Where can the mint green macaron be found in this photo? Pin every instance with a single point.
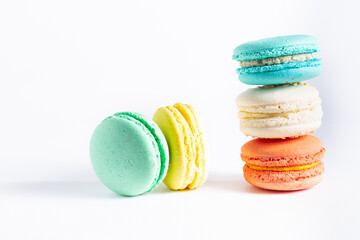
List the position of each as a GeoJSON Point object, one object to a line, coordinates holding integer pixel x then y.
{"type": "Point", "coordinates": [129, 153]}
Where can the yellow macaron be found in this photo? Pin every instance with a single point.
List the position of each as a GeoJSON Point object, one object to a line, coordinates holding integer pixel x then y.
{"type": "Point", "coordinates": [181, 128]}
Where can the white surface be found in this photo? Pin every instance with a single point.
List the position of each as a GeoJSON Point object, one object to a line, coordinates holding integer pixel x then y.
{"type": "Point", "coordinates": [66, 65]}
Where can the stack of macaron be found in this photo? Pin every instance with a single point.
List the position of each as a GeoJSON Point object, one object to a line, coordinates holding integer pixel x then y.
{"type": "Point", "coordinates": [280, 113]}
{"type": "Point", "coordinates": [132, 154]}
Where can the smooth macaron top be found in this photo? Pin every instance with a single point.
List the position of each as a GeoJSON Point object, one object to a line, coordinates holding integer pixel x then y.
{"type": "Point", "coordinates": [268, 95]}
{"type": "Point", "coordinates": [129, 153]}
{"type": "Point", "coordinates": [275, 47]}
{"type": "Point", "coordinates": [160, 140]}
{"type": "Point", "coordinates": [280, 148]}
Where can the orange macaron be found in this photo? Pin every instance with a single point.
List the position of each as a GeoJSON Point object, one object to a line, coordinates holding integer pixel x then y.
{"type": "Point", "coordinates": [283, 164]}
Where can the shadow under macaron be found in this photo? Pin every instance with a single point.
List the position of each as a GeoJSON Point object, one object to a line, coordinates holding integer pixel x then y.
{"type": "Point", "coordinates": [237, 183]}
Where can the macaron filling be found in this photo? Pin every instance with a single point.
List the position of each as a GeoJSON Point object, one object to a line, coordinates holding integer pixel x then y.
{"type": "Point", "coordinates": [259, 120]}
{"type": "Point", "coordinates": [314, 62]}
{"type": "Point", "coordinates": [277, 60]}
{"type": "Point", "coordinates": [284, 169]}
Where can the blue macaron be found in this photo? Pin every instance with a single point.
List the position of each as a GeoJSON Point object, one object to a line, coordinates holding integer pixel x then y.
{"type": "Point", "coordinates": [129, 153]}
{"type": "Point", "coordinates": [278, 60]}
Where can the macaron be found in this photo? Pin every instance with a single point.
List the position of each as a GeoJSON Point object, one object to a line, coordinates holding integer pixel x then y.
{"type": "Point", "coordinates": [283, 164]}
{"type": "Point", "coordinates": [129, 153]}
{"type": "Point", "coordinates": [278, 60]}
{"type": "Point", "coordinates": [279, 111]}
{"type": "Point", "coordinates": [184, 135]}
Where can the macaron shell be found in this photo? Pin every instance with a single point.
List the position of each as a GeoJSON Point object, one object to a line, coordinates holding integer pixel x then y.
{"type": "Point", "coordinates": [284, 181]}
{"type": "Point", "coordinates": [275, 95]}
{"type": "Point", "coordinates": [281, 75]}
{"type": "Point", "coordinates": [285, 161]}
{"type": "Point", "coordinates": [191, 117]}
{"type": "Point", "coordinates": [282, 132]}
{"type": "Point", "coordinates": [275, 47]}
{"type": "Point", "coordinates": [262, 148]}
{"type": "Point", "coordinates": [180, 140]}
{"type": "Point", "coordinates": [125, 155]}
{"type": "Point", "coordinates": [160, 140]}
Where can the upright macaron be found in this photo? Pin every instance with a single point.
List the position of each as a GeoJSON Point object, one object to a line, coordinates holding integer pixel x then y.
{"type": "Point", "coordinates": [184, 135]}
{"type": "Point", "coordinates": [279, 111]}
{"type": "Point", "coordinates": [283, 164]}
{"type": "Point", "coordinates": [129, 153]}
{"type": "Point", "coordinates": [278, 60]}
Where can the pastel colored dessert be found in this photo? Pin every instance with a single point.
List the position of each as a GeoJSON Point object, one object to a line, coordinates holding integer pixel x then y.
{"type": "Point", "coordinates": [283, 164]}
{"type": "Point", "coordinates": [181, 128]}
{"type": "Point", "coordinates": [279, 111]}
{"type": "Point", "coordinates": [278, 60]}
{"type": "Point", "coordinates": [129, 153]}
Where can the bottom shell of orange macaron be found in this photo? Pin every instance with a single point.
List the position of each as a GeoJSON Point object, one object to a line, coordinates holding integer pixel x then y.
{"type": "Point", "coordinates": [283, 164]}
{"type": "Point", "coordinates": [286, 180]}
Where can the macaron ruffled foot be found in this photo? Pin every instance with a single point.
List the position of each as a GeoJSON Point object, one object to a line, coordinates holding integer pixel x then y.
{"type": "Point", "coordinates": [182, 130]}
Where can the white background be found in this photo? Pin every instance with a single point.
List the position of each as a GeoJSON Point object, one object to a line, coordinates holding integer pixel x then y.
{"type": "Point", "coordinates": [66, 65]}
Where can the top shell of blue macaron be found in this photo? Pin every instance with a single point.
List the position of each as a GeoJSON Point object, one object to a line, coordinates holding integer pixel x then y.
{"type": "Point", "coordinates": [129, 153]}
{"type": "Point", "coordinates": [275, 47]}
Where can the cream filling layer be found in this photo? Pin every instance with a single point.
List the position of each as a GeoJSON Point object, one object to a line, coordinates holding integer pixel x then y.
{"type": "Point", "coordinates": [278, 108]}
{"type": "Point", "coordinates": [283, 169]}
{"type": "Point", "coordinates": [268, 120]}
{"type": "Point", "coordinates": [277, 60]}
